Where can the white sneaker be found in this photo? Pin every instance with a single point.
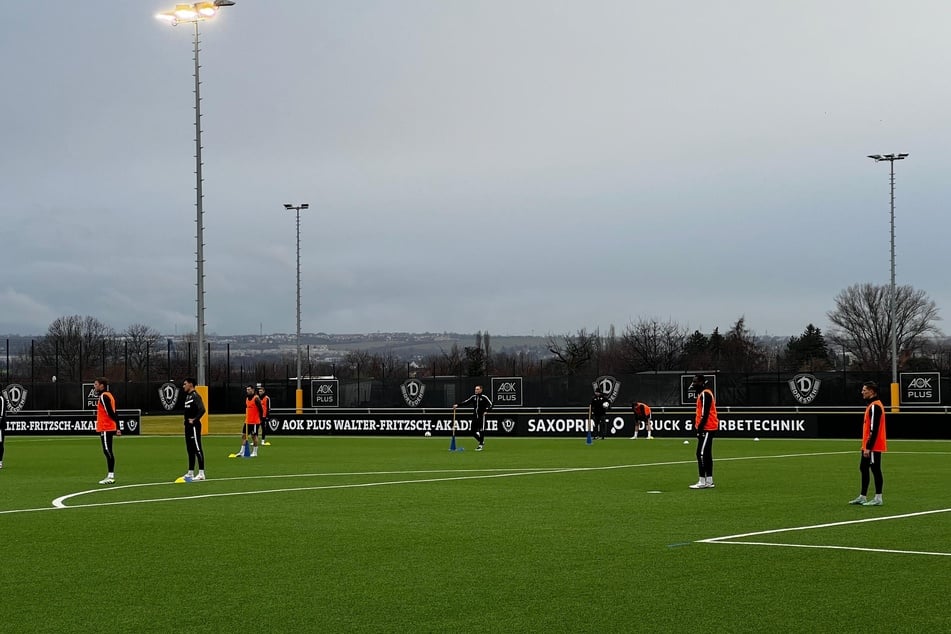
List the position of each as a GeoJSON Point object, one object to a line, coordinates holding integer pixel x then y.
{"type": "Point", "coordinates": [859, 500]}
{"type": "Point", "coordinates": [479, 448]}
{"type": "Point", "coordinates": [107, 480]}
{"type": "Point", "coordinates": [254, 454]}
{"type": "Point", "coordinates": [196, 478]}
{"type": "Point", "coordinates": [700, 485]}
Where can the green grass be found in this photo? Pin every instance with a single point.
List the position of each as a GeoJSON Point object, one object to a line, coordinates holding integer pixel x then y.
{"type": "Point", "coordinates": [172, 424]}
{"type": "Point", "coordinates": [401, 535]}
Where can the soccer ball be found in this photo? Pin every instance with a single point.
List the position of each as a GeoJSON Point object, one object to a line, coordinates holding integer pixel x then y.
{"type": "Point", "coordinates": [427, 434]}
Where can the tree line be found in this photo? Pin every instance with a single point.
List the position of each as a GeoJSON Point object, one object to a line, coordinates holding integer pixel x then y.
{"type": "Point", "coordinates": [79, 347]}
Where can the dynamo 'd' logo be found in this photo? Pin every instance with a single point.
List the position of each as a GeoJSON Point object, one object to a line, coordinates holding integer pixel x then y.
{"type": "Point", "coordinates": [804, 388]}
{"type": "Point", "coordinates": [168, 395]}
{"type": "Point", "coordinates": [15, 396]}
{"type": "Point", "coordinates": [412, 391]}
{"type": "Point", "coordinates": [608, 385]}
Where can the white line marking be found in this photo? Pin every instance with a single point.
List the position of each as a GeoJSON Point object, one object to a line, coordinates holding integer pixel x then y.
{"type": "Point", "coordinates": [713, 540]}
{"type": "Point", "coordinates": [869, 550]}
{"type": "Point", "coordinates": [43, 508]}
{"type": "Point", "coordinates": [294, 489]}
{"type": "Point", "coordinates": [738, 539]}
{"type": "Point", "coordinates": [59, 503]}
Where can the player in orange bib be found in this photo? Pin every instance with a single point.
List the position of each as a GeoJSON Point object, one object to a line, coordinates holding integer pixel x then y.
{"type": "Point", "coordinates": [706, 424]}
{"type": "Point", "coordinates": [253, 415]}
{"type": "Point", "coordinates": [873, 445]}
{"type": "Point", "coordinates": [107, 425]}
{"type": "Point", "coordinates": [266, 407]}
{"type": "Point", "coordinates": [642, 414]}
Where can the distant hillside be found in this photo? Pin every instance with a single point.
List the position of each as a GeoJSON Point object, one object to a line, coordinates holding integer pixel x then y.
{"type": "Point", "coordinates": [407, 346]}
{"type": "Point", "coordinates": [330, 347]}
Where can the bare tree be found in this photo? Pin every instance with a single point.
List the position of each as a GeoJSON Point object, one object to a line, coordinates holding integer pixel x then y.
{"type": "Point", "coordinates": [76, 345]}
{"type": "Point", "coordinates": [573, 352]}
{"type": "Point", "coordinates": [741, 352]}
{"type": "Point", "coordinates": [651, 344]}
{"type": "Point", "coordinates": [356, 363]}
{"type": "Point", "coordinates": [388, 366]}
{"type": "Point", "coordinates": [445, 363]}
{"type": "Point", "coordinates": [141, 342]}
{"type": "Point", "coordinates": [938, 351]}
{"type": "Point", "coordinates": [862, 322]}
{"type": "Point", "coordinates": [517, 363]}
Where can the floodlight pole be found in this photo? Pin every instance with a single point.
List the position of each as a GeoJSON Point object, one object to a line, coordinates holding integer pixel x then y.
{"type": "Point", "coordinates": [893, 295]}
{"type": "Point", "coordinates": [199, 222]}
{"type": "Point", "coordinates": [196, 13]}
{"type": "Point", "coordinates": [299, 395]}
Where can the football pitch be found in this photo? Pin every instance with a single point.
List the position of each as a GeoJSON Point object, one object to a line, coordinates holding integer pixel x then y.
{"type": "Point", "coordinates": [336, 534]}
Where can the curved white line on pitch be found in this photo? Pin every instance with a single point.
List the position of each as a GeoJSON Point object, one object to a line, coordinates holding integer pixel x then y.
{"type": "Point", "coordinates": [311, 488]}
{"type": "Point", "coordinates": [60, 502]}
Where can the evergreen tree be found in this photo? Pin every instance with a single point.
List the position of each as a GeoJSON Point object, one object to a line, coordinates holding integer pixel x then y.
{"type": "Point", "coordinates": [808, 352]}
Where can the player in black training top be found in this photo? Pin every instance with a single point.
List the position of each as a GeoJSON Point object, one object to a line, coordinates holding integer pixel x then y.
{"type": "Point", "coordinates": [599, 410]}
{"type": "Point", "coordinates": [480, 405]}
{"type": "Point", "coordinates": [194, 410]}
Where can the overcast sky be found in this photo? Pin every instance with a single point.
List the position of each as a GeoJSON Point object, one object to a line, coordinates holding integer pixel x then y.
{"type": "Point", "coordinates": [511, 166]}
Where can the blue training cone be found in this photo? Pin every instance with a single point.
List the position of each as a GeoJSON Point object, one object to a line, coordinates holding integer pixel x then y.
{"type": "Point", "coordinates": [589, 440]}
{"type": "Point", "coordinates": [246, 451]}
{"type": "Point", "coordinates": [452, 445]}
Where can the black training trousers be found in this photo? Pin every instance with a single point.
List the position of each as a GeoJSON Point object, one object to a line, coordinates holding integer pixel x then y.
{"type": "Point", "coordinates": [478, 425]}
{"type": "Point", "coordinates": [705, 454]}
{"type": "Point", "coordinates": [105, 437]}
{"type": "Point", "coordinates": [872, 462]}
{"type": "Point", "coordinates": [193, 445]}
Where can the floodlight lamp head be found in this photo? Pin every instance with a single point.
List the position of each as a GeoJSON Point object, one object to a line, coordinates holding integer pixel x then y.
{"type": "Point", "coordinates": [288, 206]}
{"type": "Point", "coordinates": [206, 9]}
{"type": "Point", "coordinates": [184, 11]}
{"type": "Point", "coordinates": [224, 3]}
{"type": "Point", "coordinates": [305, 206]}
{"type": "Point", "coordinates": [887, 157]}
